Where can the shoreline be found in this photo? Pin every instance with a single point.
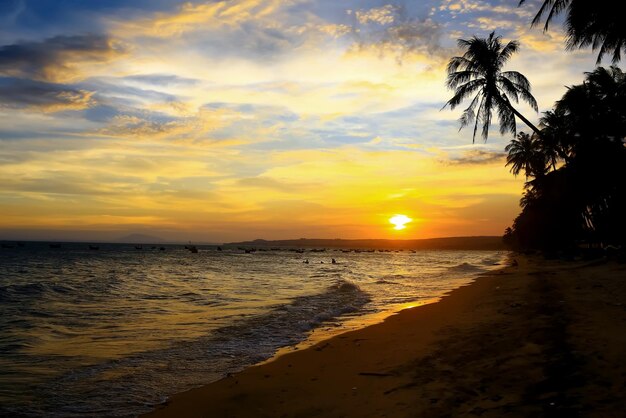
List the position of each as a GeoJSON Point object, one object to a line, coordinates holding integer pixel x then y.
{"type": "Point", "coordinates": [324, 332]}
{"type": "Point", "coordinates": [517, 341]}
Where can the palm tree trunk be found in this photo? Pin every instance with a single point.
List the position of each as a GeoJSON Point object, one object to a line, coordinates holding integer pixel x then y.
{"type": "Point", "coordinates": [522, 118]}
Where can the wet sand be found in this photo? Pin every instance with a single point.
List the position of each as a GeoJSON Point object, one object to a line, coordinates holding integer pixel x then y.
{"type": "Point", "coordinates": [545, 338]}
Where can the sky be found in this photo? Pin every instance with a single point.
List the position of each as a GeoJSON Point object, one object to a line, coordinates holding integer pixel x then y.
{"type": "Point", "coordinates": [226, 120]}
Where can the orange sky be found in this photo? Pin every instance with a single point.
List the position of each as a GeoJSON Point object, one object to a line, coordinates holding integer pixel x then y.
{"type": "Point", "coordinates": [241, 119]}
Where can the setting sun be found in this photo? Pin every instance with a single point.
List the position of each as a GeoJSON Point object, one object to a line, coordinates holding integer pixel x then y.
{"type": "Point", "coordinates": [399, 221]}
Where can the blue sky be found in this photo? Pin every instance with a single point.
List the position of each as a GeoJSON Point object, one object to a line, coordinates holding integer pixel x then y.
{"type": "Point", "coordinates": [239, 119]}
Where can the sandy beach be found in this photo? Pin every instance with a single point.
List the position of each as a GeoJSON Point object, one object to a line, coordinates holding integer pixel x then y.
{"type": "Point", "coordinates": [544, 338]}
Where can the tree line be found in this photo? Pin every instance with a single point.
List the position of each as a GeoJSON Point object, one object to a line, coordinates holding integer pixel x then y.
{"type": "Point", "coordinates": [574, 160]}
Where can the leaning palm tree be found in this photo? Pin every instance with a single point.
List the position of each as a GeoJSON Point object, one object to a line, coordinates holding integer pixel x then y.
{"type": "Point", "coordinates": [526, 153]}
{"type": "Point", "coordinates": [587, 23]}
{"type": "Point", "coordinates": [478, 73]}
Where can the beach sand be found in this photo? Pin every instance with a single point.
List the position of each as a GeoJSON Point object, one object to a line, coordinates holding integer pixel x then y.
{"type": "Point", "coordinates": [545, 338]}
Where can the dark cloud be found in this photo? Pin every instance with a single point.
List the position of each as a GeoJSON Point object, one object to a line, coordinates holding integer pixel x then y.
{"type": "Point", "coordinates": [20, 93]}
{"type": "Point", "coordinates": [36, 19]}
{"type": "Point", "coordinates": [477, 156]}
{"type": "Point", "coordinates": [54, 58]}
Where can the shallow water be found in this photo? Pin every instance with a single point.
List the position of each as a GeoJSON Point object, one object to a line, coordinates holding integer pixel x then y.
{"type": "Point", "coordinates": [112, 332]}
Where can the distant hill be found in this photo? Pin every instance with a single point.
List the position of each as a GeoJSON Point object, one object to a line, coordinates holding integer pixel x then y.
{"type": "Point", "coordinates": [139, 239]}
{"type": "Point", "coordinates": [451, 243]}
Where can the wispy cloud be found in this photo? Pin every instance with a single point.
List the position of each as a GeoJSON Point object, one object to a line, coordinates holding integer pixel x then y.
{"type": "Point", "coordinates": [477, 157]}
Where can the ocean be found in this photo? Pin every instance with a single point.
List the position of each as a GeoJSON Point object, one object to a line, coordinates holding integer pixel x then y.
{"type": "Point", "coordinates": [112, 332]}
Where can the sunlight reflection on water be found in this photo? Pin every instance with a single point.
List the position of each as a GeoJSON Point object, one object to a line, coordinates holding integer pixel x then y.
{"type": "Point", "coordinates": [135, 325]}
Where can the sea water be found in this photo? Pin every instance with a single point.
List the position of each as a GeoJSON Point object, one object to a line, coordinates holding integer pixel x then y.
{"type": "Point", "coordinates": [114, 331]}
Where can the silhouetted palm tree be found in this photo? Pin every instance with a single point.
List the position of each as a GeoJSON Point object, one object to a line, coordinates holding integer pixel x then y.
{"type": "Point", "coordinates": [526, 153]}
{"type": "Point", "coordinates": [555, 130]}
{"type": "Point", "coordinates": [583, 199]}
{"type": "Point", "coordinates": [594, 109]}
{"type": "Point", "coordinates": [607, 88]}
{"type": "Point", "coordinates": [588, 23]}
{"type": "Point", "coordinates": [478, 73]}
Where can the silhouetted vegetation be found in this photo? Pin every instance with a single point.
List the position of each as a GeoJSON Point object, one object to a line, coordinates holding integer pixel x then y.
{"type": "Point", "coordinates": [576, 170]}
{"type": "Point", "coordinates": [595, 24]}
{"type": "Point", "coordinates": [575, 161]}
{"type": "Point", "coordinates": [478, 74]}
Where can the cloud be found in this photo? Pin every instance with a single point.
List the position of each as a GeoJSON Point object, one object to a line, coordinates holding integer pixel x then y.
{"type": "Point", "coordinates": [121, 90]}
{"type": "Point", "coordinates": [274, 184]}
{"type": "Point", "coordinates": [224, 29]}
{"type": "Point", "coordinates": [47, 97]}
{"type": "Point", "coordinates": [397, 33]}
{"type": "Point", "coordinates": [162, 79]}
{"type": "Point", "coordinates": [477, 157]}
{"type": "Point", "coordinates": [57, 59]}
{"type": "Point", "coordinates": [156, 126]}
{"type": "Point", "coordinates": [222, 14]}
{"type": "Point", "coordinates": [224, 123]}
{"type": "Point", "coordinates": [457, 7]}
{"type": "Point", "coordinates": [381, 15]}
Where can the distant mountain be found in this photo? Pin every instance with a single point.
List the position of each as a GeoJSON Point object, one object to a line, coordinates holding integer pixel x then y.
{"type": "Point", "coordinates": [139, 239]}
{"type": "Point", "coordinates": [450, 243]}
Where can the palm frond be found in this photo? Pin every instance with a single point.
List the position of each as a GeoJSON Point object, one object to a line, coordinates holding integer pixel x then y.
{"type": "Point", "coordinates": [463, 92]}
{"type": "Point", "coordinates": [506, 52]}
{"type": "Point", "coordinates": [482, 101]}
{"type": "Point", "coordinates": [460, 77]}
{"type": "Point", "coordinates": [456, 63]}
{"type": "Point", "coordinates": [506, 118]}
{"type": "Point", "coordinates": [517, 78]}
{"type": "Point", "coordinates": [509, 88]}
{"type": "Point", "coordinates": [469, 114]}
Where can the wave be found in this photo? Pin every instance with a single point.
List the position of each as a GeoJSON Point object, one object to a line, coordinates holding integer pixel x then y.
{"type": "Point", "coordinates": [491, 261]}
{"type": "Point", "coordinates": [466, 268]}
{"type": "Point", "coordinates": [136, 383]}
{"type": "Point", "coordinates": [31, 291]}
{"type": "Point", "coordinates": [391, 279]}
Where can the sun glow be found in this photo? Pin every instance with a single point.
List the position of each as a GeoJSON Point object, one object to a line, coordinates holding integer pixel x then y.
{"type": "Point", "coordinates": [399, 221]}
